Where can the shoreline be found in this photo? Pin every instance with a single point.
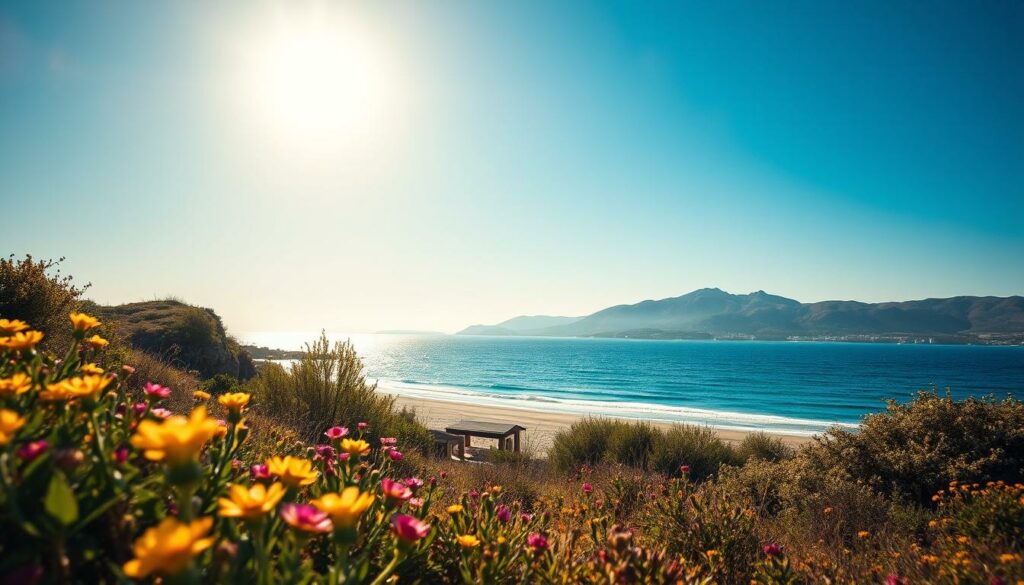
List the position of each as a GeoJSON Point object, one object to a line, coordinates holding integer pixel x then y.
{"type": "Point", "coordinates": [541, 425]}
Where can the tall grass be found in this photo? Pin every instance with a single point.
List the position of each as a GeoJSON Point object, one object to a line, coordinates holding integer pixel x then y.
{"type": "Point", "coordinates": [326, 388]}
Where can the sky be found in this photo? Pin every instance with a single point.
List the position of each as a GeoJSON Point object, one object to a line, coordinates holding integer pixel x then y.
{"type": "Point", "coordinates": [430, 165]}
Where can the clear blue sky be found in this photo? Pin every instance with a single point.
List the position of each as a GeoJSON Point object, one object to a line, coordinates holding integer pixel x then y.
{"type": "Point", "coordinates": [434, 164]}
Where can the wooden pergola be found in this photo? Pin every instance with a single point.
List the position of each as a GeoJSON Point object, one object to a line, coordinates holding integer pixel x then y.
{"type": "Point", "coordinates": [506, 434]}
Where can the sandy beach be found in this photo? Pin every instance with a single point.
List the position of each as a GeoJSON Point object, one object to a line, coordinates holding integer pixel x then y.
{"type": "Point", "coordinates": [541, 426]}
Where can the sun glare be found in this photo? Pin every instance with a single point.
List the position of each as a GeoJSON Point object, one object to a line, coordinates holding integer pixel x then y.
{"type": "Point", "coordinates": [318, 84]}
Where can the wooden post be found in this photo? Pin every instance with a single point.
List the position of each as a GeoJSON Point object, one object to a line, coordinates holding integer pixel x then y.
{"type": "Point", "coordinates": [501, 444]}
{"type": "Point", "coordinates": [516, 448]}
{"type": "Point", "coordinates": [467, 441]}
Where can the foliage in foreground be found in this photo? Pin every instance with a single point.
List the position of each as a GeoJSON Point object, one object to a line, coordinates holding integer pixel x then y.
{"type": "Point", "coordinates": [100, 482]}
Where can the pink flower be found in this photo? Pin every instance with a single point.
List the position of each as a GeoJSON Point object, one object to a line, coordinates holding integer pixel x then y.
{"type": "Point", "coordinates": [526, 516]}
{"type": "Point", "coordinates": [127, 369]}
{"type": "Point", "coordinates": [336, 433]}
{"type": "Point", "coordinates": [156, 391]}
{"type": "Point", "coordinates": [474, 494]}
{"type": "Point", "coordinates": [362, 426]}
{"type": "Point", "coordinates": [772, 550]}
{"type": "Point", "coordinates": [343, 457]}
{"type": "Point", "coordinates": [504, 513]}
{"type": "Point", "coordinates": [121, 454]}
{"type": "Point", "coordinates": [587, 488]}
{"type": "Point", "coordinates": [895, 580]}
{"type": "Point", "coordinates": [416, 503]}
{"type": "Point", "coordinates": [139, 407]}
{"type": "Point", "coordinates": [324, 452]}
{"type": "Point", "coordinates": [684, 469]}
{"type": "Point", "coordinates": [409, 529]}
{"type": "Point", "coordinates": [30, 451]}
{"type": "Point", "coordinates": [395, 455]}
{"type": "Point", "coordinates": [306, 518]}
{"type": "Point", "coordinates": [259, 472]}
{"type": "Point", "coordinates": [537, 542]}
{"type": "Point", "coordinates": [414, 483]}
{"type": "Point", "coordinates": [395, 492]}
{"type": "Point", "coordinates": [161, 412]}
{"type": "Point", "coordinates": [388, 441]}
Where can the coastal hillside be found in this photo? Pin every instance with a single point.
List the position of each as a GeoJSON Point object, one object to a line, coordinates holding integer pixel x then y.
{"type": "Point", "coordinates": [712, 312]}
{"type": "Point", "coordinates": [192, 337]}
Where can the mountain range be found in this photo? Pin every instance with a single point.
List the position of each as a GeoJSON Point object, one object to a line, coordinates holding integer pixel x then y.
{"type": "Point", "coordinates": [713, 313]}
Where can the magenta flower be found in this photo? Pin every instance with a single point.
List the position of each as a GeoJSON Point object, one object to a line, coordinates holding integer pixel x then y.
{"type": "Point", "coordinates": [336, 433]}
{"type": "Point", "coordinates": [415, 503]}
{"type": "Point", "coordinates": [388, 441]}
{"type": "Point", "coordinates": [139, 407]}
{"type": "Point", "coordinates": [161, 412]}
{"type": "Point", "coordinates": [526, 516]}
{"type": "Point", "coordinates": [395, 455]}
{"type": "Point", "coordinates": [504, 514]}
{"type": "Point", "coordinates": [30, 451]}
{"type": "Point", "coordinates": [260, 472]}
{"type": "Point", "coordinates": [897, 580]}
{"type": "Point", "coordinates": [414, 483]}
{"type": "Point", "coordinates": [409, 529]}
{"type": "Point", "coordinates": [362, 426]}
{"type": "Point", "coordinates": [156, 391]}
{"type": "Point", "coordinates": [473, 494]}
{"type": "Point", "coordinates": [324, 452]}
{"type": "Point", "coordinates": [306, 518]}
{"type": "Point", "coordinates": [395, 492]}
{"type": "Point", "coordinates": [587, 488]}
{"type": "Point", "coordinates": [121, 454]}
{"type": "Point", "coordinates": [344, 457]}
{"type": "Point", "coordinates": [684, 469]}
{"type": "Point", "coordinates": [537, 542]}
{"type": "Point", "coordinates": [772, 549]}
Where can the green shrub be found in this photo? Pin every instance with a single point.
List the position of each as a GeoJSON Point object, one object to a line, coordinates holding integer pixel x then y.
{"type": "Point", "coordinates": [326, 388]}
{"type": "Point", "coordinates": [35, 291]}
{"type": "Point", "coordinates": [220, 384]}
{"type": "Point", "coordinates": [585, 442]}
{"type": "Point", "coordinates": [632, 443]}
{"type": "Point", "coordinates": [762, 446]}
{"type": "Point", "coordinates": [914, 449]}
{"type": "Point", "coordinates": [698, 447]}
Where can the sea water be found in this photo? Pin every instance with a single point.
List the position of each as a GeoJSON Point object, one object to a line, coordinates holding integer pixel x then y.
{"type": "Point", "coordinates": [789, 387]}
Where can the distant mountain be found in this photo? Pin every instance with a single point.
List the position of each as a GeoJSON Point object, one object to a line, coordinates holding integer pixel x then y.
{"type": "Point", "coordinates": [712, 312]}
{"type": "Point", "coordinates": [521, 325]}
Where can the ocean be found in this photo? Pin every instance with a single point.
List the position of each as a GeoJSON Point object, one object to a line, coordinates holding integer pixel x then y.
{"type": "Point", "coordinates": [788, 387]}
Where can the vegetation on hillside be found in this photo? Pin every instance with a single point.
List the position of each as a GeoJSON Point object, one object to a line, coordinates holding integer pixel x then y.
{"type": "Point", "coordinates": [36, 292]}
{"type": "Point", "coordinates": [101, 482]}
{"type": "Point", "coordinates": [191, 337]}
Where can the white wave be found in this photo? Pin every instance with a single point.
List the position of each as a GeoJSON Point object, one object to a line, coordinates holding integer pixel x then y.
{"type": "Point", "coordinates": [740, 421]}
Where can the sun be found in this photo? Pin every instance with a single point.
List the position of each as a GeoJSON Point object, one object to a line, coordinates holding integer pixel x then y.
{"type": "Point", "coordinates": [317, 83]}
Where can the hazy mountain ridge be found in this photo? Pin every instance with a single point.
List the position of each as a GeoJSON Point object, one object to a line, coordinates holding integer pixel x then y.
{"type": "Point", "coordinates": [712, 312]}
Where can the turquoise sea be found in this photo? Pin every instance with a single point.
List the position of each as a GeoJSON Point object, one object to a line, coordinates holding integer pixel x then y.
{"type": "Point", "coordinates": [792, 387]}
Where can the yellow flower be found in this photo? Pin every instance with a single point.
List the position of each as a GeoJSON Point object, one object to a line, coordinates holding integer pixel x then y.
{"type": "Point", "coordinates": [1008, 558]}
{"type": "Point", "coordinates": [711, 553]}
{"type": "Point", "coordinates": [455, 509]}
{"type": "Point", "coordinates": [292, 471]}
{"type": "Point", "coordinates": [176, 439]}
{"type": "Point", "coordinates": [22, 340]}
{"type": "Point", "coordinates": [10, 422]}
{"type": "Point", "coordinates": [863, 534]}
{"type": "Point", "coordinates": [201, 395]}
{"type": "Point", "coordinates": [91, 369]}
{"type": "Point", "coordinates": [9, 326]}
{"type": "Point", "coordinates": [344, 508]}
{"type": "Point", "coordinates": [97, 342]}
{"type": "Point", "coordinates": [355, 447]}
{"type": "Point", "coordinates": [17, 384]}
{"type": "Point", "coordinates": [168, 547]}
{"type": "Point", "coordinates": [83, 322]}
{"type": "Point", "coordinates": [84, 386]}
{"type": "Point", "coordinates": [963, 539]}
{"type": "Point", "coordinates": [250, 502]}
{"type": "Point", "coordinates": [234, 401]}
{"type": "Point", "coordinates": [827, 510]}
{"type": "Point", "coordinates": [468, 541]}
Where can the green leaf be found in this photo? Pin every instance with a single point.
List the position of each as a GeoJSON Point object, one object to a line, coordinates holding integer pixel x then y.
{"type": "Point", "coordinates": [60, 501]}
